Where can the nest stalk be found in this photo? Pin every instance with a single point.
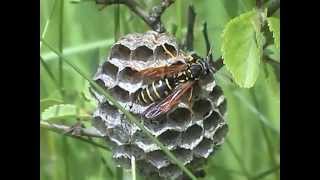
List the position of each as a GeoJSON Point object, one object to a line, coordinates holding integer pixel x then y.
{"type": "Point", "coordinates": [152, 18]}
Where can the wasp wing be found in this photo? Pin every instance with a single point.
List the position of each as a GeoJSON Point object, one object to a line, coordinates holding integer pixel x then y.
{"type": "Point", "coordinates": [160, 72]}
{"type": "Point", "coordinates": [169, 102]}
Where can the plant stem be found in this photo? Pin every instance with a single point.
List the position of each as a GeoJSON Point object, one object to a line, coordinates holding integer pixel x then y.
{"type": "Point", "coordinates": [133, 167]}
{"type": "Point", "coordinates": [60, 47]}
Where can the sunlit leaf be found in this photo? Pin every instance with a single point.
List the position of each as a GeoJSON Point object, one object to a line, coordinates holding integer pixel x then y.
{"type": "Point", "coordinates": [242, 48]}
{"type": "Point", "coordinates": [45, 103]}
{"type": "Point", "coordinates": [63, 112]}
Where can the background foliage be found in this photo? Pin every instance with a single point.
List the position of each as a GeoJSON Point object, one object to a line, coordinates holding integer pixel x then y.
{"type": "Point", "coordinates": [84, 35]}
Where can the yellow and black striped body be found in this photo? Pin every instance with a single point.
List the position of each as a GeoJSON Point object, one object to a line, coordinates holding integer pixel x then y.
{"type": "Point", "coordinates": [156, 90]}
{"type": "Point", "coordinates": [160, 89]}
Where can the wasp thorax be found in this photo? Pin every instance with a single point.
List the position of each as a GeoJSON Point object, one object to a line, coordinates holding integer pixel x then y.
{"type": "Point", "coordinates": [192, 130]}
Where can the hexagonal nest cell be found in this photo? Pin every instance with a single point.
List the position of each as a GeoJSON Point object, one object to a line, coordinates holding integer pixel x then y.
{"type": "Point", "coordinates": [190, 130]}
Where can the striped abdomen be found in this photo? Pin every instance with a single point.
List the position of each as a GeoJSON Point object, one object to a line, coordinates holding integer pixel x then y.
{"type": "Point", "coordinates": [156, 90]}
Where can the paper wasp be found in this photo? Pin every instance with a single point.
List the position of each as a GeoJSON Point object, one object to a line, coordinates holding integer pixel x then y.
{"type": "Point", "coordinates": [171, 83]}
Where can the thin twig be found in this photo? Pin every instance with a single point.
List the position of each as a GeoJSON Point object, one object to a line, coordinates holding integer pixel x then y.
{"type": "Point", "coordinates": [151, 18]}
{"type": "Point", "coordinates": [57, 129]}
{"type": "Point", "coordinates": [63, 129]}
{"type": "Point", "coordinates": [191, 20]}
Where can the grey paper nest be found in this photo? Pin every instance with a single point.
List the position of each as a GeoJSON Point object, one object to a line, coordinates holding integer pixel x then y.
{"type": "Point", "coordinates": [191, 133]}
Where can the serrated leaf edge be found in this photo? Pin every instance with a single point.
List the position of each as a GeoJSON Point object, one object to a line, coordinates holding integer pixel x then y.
{"type": "Point", "coordinates": [224, 39]}
{"type": "Point", "coordinates": [66, 116]}
{"type": "Point", "coordinates": [276, 39]}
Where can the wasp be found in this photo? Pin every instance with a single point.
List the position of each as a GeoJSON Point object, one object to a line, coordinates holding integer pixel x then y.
{"type": "Point", "coordinates": [171, 84]}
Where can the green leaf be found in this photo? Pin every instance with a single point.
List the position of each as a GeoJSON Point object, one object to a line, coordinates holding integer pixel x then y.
{"type": "Point", "coordinates": [272, 52]}
{"type": "Point", "coordinates": [274, 26]}
{"type": "Point", "coordinates": [272, 80]}
{"type": "Point", "coordinates": [242, 48]}
{"type": "Point", "coordinates": [63, 112]}
{"type": "Point", "coordinates": [45, 103]}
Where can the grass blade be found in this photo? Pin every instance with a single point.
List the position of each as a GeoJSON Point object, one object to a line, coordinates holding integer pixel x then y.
{"type": "Point", "coordinates": [70, 51]}
{"type": "Point", "coordinates": [266, 173]}
{"type": "Point", "coordinates": [229, 171]}
{"type": "Point", "coordinates": [66, 152]}
{"type": "Point", "coordinates": [236, 155]}
{"type": "Point", "coordinates": [269, 144]}
{"type": "Point", "coordinates": [116, 22]}
{"type": "Point", "coordinates": [254, 110]}
{"type": "Point", "coordinates": [129, 116]}
{"type": "Point", "coordinates": [60, 47]}
{"type": "Point", "coordinates": [46, 25]}
{"type": "Point", "coordinates": [47, 69]}
{"type": "Point", "coordinates": [179, 18]}
{"type": "Point", "coordinates": [119, 173]}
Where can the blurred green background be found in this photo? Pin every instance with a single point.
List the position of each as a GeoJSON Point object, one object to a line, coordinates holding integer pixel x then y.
{"type": "Point", "coordinates": [84, 34]}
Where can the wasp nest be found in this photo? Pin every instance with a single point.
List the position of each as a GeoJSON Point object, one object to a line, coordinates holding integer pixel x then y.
{"type": "Point", "coordinates": [192, 133]}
